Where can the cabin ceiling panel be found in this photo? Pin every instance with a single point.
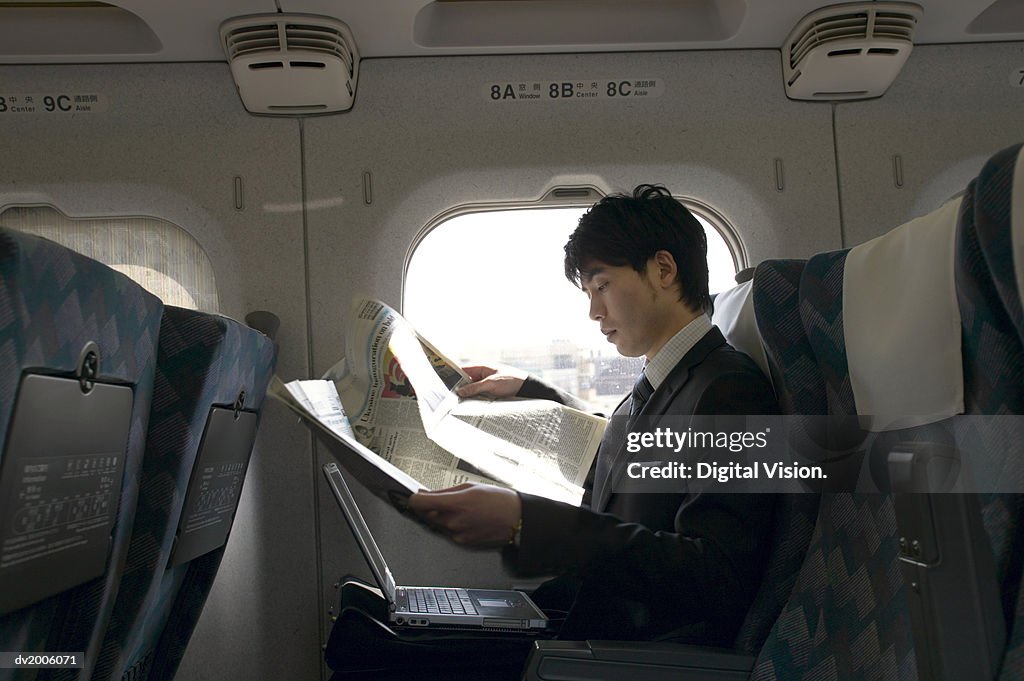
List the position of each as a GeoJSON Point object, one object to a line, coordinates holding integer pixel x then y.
{"type": "Point", "coordinates": [145, 31]}
{"type": "Point", "coordinates": [904, 154]}
{"type": "Point", "coordinates": [970, 20]}
{"type": "Point", "coordinates": [57, 31]}
{"type": "Point", "coordinates": [424, 27]}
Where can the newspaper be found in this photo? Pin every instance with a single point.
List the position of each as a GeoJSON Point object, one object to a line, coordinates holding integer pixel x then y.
{"type": "Point", "coordinates": [317, 402]}
{"type": "Point", "coordinates": [394, 393]}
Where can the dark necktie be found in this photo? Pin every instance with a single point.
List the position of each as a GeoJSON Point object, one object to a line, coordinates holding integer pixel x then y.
{"type": "Point", "coordinates": [642, 391]}
{"type": "Point", "coordinates": [607, 457]}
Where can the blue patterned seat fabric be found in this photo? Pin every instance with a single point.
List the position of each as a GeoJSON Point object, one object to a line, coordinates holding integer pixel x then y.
{"type": "Point", "coordinates": [798, 386]}
{"type": "Point", "coordinates": [821, 312]}
{"type": "Point", "coordinates": [994, 373]}
{"type": "Point", "coordinates": [847, 617]}
{"type": "Point", "coordinates": [992, 219]}
{"type": "Point", "coordinates": [52, 302]}
{"type": "Point", "coordinates": [203, 360]}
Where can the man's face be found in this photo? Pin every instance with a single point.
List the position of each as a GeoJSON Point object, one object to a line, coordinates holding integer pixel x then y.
{"type": "Point", "coordinates": [634, 309]}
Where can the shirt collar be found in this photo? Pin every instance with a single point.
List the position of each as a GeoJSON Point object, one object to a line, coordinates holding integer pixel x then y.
{"type": "Point", "coordinates": [658, 367]}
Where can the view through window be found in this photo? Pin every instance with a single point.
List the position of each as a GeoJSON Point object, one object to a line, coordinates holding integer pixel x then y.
{"type": "Point", "coordinates": [488, 287]}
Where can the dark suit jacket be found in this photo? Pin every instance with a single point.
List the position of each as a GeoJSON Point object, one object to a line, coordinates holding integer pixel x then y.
{"type": "Point", "coordinates": [682, 565]}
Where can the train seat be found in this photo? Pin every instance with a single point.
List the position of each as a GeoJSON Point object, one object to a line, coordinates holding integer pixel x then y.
{"type": "Point", "coordinates": [846, 617]}
{"type": "Point", "coordinates": [993, 347]}
{"type": "Point", "coordinates": [78, 343]}
{"type": "Point", "coordinates": [799, 389]}
{"type": "Point", "coordinates": [211, 377]}
{"type": "Point", "coordinates": [959, 551]}
{"type": "Point", "coordinates": [849, 617]}
{"type": "Point", "coordinates": [999, 219]}
{"type": "Point", "coordinates": [852, 615]}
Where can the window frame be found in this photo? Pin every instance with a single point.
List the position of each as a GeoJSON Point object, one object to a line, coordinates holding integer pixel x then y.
{"type": "Point", "coordinates": [574, 196]}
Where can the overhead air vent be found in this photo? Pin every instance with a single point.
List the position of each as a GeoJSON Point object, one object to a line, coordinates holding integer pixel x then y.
{"type": "Point", "coordinates": [292, 63]}
{"type": "Point", "coordinates": [852, 51]}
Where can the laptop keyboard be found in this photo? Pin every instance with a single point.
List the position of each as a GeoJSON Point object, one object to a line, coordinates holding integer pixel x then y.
{"type": "Point", "coordinates": [440, 601]}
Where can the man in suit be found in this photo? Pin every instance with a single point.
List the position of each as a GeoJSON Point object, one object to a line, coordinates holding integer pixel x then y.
{"type": "Point", "coordinates": [682, 565]}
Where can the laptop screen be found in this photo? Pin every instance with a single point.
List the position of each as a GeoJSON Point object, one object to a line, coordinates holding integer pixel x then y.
{"type": "Point", "coordinates": [360, 530]}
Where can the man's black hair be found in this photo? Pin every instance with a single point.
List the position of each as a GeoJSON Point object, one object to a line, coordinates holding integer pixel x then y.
{"type": "Point", "coordinates": [623, 230]}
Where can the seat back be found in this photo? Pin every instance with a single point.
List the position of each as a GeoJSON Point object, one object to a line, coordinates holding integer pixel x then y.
{"type": "Point", "coordinates": [212, 374]}
{"type": "Point", "coordinates": [850, 614]}
{"type": "Point", "coordinates": [912, 395]}
{"type": "Point", "coordinates": [994, 374]}
{"type": "Point", "coordinates": [992, 349]}
{"type": "Point", "coordinates": [800, 390]}
{"type": "Point", "coordinates": [847, 615]}
{"type": "Point", "coordinates": [79, 348]}
{"type": "Point", "coordinates": [999, 230]}
{"type": "Point", "coordinates": [798, 383]}
{"type": "Point", "coordinates": [961, 550]}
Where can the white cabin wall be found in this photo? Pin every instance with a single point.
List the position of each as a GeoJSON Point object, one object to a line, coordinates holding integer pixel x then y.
{"type": "Point", "coordinates": [428, 132]}
{"type": "Point", "coordinates": [950, 109]}
{"type": "Point", "coordinates": [169, 146]}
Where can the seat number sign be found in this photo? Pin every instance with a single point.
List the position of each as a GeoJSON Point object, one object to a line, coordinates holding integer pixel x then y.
{"type": "Point", "coordinates": [574, 90]}
{"type": "Point", "coordinates": [52, 103]}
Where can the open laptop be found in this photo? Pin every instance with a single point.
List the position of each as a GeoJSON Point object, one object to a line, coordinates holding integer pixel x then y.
{"type": "Point", "coordinates": [444, 607]}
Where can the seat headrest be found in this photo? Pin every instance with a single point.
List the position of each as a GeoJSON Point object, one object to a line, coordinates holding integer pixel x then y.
{"type": "Point", "coordinates": [901, 323]}
{"type": "Point", "coordinates": [734, 316]}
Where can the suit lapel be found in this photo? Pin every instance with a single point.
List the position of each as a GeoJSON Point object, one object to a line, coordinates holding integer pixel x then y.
{"type": "Point", "coordinates": [658, 405]}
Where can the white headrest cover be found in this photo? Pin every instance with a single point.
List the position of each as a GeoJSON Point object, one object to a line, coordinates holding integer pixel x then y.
{"type": "Point", "coordinates": [901, 321]}
{"type": "Point", "coordinates": [734, 316]}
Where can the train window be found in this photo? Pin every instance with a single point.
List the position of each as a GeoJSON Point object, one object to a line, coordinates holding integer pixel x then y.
{"type": "Point", "coordinates": [488, 287]}
{"type": "Point", "coordinates": [163, 258]}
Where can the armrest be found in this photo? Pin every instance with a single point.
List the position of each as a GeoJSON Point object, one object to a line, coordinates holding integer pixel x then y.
{"type": "Point", "coordinates": [634, 661]}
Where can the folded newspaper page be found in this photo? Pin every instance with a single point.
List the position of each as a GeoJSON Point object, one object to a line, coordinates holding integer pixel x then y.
{"type": "Point", "coordinates": [394, 393]}
{"type": "Point", "coordinates": [317, 402]}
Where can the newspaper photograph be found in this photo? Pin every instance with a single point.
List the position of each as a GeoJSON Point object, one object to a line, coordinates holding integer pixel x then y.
{"type": "Point", "coordinates": [395, 393]}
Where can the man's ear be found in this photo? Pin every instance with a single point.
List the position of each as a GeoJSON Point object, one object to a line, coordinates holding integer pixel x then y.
{"type": "Point", "coordinates": [666, 268]}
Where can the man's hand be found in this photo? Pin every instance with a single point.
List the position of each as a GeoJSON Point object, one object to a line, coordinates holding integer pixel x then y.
{"type": "Point", "coordinates": [492, 382]}
{"type": "Point", "coordinates": [473, 515]}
